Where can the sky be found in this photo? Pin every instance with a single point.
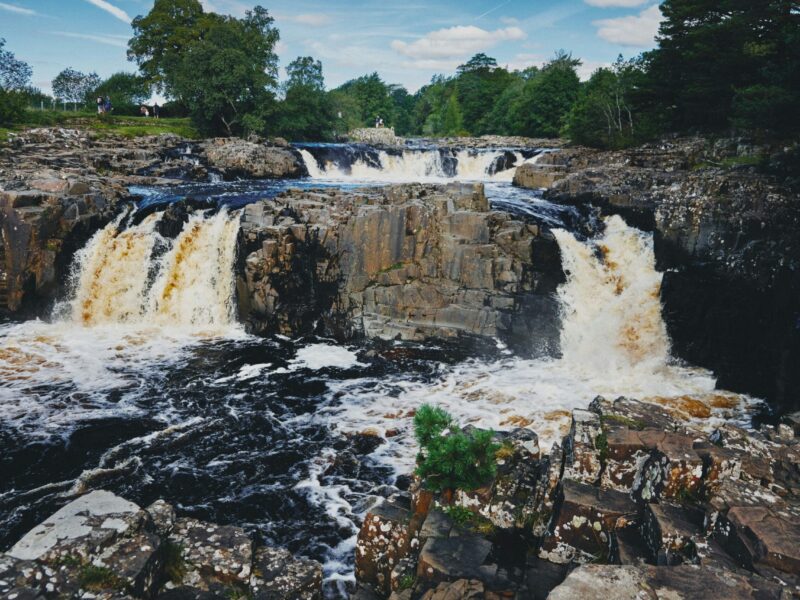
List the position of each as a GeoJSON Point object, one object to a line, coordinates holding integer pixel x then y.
{"type": "Point", "coordinates": [405, 41]}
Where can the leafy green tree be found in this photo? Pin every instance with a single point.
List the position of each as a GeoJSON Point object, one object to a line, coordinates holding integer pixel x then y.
{"type": "Point", "coordinates": [15, 74]}
{"type": "Point", "coordinates": [226, 72]}
{"type": "Point", "coordinates": [371, 97]}
{"type": "Point", "coordinates": [453, 120]}
{"type": "Point", "coordinates": [162, 36]}
{"type": "Point", "coordinates": [124, 89]}
{"type": "Point", "coordinates": [710, 51]}
{"type": "Point", "coordinates": [403, 110]}
{"type": "Point", "coordinates": [500, 118]}
{"type": "Point", "coordinates": [547, 98]}
{"type": "Point", "coordinates": [74, 86]}
{"type": "Point", "coordinates": [306, 112]}
{"type": "Point", "coordinates": [480, 82]}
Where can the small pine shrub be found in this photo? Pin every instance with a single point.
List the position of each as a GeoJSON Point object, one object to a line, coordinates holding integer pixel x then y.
{"type": "Point", "coordinates": [429, 423]}
{"type": "Point", "coordinates": [454, 459]}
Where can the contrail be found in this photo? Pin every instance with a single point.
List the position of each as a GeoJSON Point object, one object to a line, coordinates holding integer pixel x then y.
{"type": "Point", "coordinates": [491, 10]}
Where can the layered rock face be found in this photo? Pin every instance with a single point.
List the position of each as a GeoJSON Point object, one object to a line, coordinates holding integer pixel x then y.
{"type": "Point", "coordinates": [103, 546]}
{"type": "Point", "coordinates": [408, 261]}
{"type": "Point", "coordinates": [58, 186]}
{"type": "Point", "coordinates": [638, 501]}
{"type": "Point", "coordinates": [729, 239]}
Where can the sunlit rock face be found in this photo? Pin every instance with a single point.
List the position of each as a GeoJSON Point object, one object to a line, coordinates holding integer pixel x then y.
{"type": "Point", "coordinates": [407, 261]}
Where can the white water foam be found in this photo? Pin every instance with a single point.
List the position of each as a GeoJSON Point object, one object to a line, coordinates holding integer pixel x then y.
{"type": "Point", "coordinates": [424, 166]}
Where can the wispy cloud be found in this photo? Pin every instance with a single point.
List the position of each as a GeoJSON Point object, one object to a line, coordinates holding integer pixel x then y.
{"type": "Point", "coordinates": [18, 10]}
{"type": "Point", "coordinates": [491, 10]}
{"type": "Point", "coordinates": [310, 19]}
{"type": "Point", "coordinates": [455, 42]}
{"type": "Point", "coordinates": [111, 9]}
{"type": "Point", "coordinates": [120, 41]}
{"type": "Point", "coordinates": [615, 3]}
{"type": "Point", "coordinates": [635, 30]}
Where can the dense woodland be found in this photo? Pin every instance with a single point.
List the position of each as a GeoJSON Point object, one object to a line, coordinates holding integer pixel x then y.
{"type": "Point", "coordinates": [719, 65]}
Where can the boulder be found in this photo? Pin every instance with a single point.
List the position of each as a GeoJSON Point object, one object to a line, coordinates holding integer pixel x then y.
{"type": "Point", "coordinates": [277, 575]}
{"type": "Point", "coordinates": [239, 158]}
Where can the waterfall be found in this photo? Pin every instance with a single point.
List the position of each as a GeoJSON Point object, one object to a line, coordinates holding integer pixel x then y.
{"type": "Point", "coordinates": [358, 163]}
{"type": "Point", "coordinates": [611, 307]}
{"type": "Point", "coordinates": [119, 278]}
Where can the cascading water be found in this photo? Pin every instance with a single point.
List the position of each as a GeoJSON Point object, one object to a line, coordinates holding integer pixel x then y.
{"type": "Point", "coordinates": [427, 165]}
{"type": "Point", "coordinates": [193, 283]}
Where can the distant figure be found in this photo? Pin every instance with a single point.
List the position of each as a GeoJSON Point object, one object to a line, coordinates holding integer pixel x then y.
{"type": "Point", "coordinates": [380, 123]}
{"type": "Point", "coordinates": [107, 105]}
{"type": "Point", "coordinates": [143, 110]}
{"type": "Point", "coordinates": [377, 122]}
{"type": "Point", "coordinates": [100, 105]}
{"type": "Point", "coordinates": [155, 110]}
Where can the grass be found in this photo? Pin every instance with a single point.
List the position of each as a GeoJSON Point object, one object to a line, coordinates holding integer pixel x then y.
{"type": "Point", "coordinates": [174, 564]}
{"type": "Point", "coordinates": [105, 125]}
{"type": "Point", "coordinates": [95, 579]}
{"type": "Point", "coordinates": [732, 162]}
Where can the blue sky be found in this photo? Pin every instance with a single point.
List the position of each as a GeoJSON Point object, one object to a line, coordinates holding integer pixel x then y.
{"type": "Point", "coordinates": [406, 41]}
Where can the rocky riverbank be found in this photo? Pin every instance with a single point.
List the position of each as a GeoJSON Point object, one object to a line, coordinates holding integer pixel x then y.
{"type": "Point", "coordinates": [639, 501]}
{"type": "Point", "coordinates": [103, 546]}
{"type": "Point", "coordinates": [58, 186]}
{"type": "Point", "coordinates": [727, 235]}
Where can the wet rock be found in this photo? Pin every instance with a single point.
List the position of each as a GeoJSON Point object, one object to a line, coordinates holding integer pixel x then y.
{"type": "Point", "coordinates": [239, 158]}
{"type": "Point", "coordinates": [215, 557]}
{"type": "Point", "coordinates": [387, 536]}
{"type": "Point", "coordinates": [541, 577]}
{"type": "Point", "coordinates": [463, 589]}
{"type": "Point", "coordinates": [453, 558]}
{"type": "Point", "coordinates": [583, 447]}
{"type": "Point", "coordinates": [766, 537]}
{"type": "Point", "coordinates": [635, 583]}
{"type": "Point", "coordinates": [82, 528]}
{"type": "Point", "coordinates": [672, 533]}
{"type": "Point", "coordinates": [673, 470]}
{"type": "Point", "coordinates": [536, 176]}
{"type": "Point", "coordinates": [277, 575]}
{"type": "Point", "coordinates": [163, 516]}
{"type": "Point", "coordinates": [586, 519]}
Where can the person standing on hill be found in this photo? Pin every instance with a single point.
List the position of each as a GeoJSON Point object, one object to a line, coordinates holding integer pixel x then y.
{"type": "Point", "coordinates": [107, 105]}
{"type": "Point", "coordinates": [100, 105]}
{"type": "Point", "coordinates": [156, 109]}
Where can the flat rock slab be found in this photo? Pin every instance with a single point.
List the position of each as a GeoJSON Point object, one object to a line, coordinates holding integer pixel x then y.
{"type": "Point", "coordinates": [768, 537]}
{"type": "Point", "coordinates": [214, 554]}
{"type": "Point", "coordinates": [80, 528]}
{"type": "Point", "coordinates": [628, 582]}
{"type": "Point", "coordinates": [460, 557]}
{"type": "Point", "coordinates": [277, 575]}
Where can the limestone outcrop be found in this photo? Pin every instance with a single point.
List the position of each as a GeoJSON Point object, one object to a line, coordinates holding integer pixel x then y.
{"type": "Point", "coordinates": [103, 546]}
{"type": "Point", "coordinates": [251, 159]}
{"type": "Point", "coordinates": [638, 501]}
{"type": "Point", "coordinates": [408, 261]}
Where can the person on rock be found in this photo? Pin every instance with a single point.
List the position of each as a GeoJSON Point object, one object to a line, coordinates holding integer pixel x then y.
{"type": "Point", "coordinates": [107, 105]}
{"type": "Point", "coordinates": [100, 105]}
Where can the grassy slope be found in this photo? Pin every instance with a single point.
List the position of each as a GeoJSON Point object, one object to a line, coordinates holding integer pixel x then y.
{"type": "Point", "coordinates": [129, 127]}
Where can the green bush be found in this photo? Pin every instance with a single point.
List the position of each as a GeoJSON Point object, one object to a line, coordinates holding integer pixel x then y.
{"type": "Point", "coordinates": [12, 107]}
{"type": "Point", "coordinates": [452, 459]}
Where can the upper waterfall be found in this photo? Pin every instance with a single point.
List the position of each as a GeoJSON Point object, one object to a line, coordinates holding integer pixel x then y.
{"type": "Point", "coordinates": [366, 163]}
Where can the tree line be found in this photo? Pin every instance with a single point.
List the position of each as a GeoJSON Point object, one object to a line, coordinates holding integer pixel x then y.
{"type": "Point", "coordinates": [718, 65]}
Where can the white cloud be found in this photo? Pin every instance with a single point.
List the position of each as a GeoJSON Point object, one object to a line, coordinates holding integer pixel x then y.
{"type": "Point", "coordinates": [17, 9]}
{"type": "Point", "coordinates": [635, 30]}
{"type": "Point", "coordinates": [588, 67]}
{"type": "Point", "coordinates": [111, 9]}
{"type": "Point", "coordinates": [509, 20]}
{"type": "Point", "coordinates": [310, 19]}
{"type": "Point", "coordinates": [615, 3]}
{"type": "Point", "coordinates": [455, 42]}
{"type": "Point", "coordinates": [120, 41]}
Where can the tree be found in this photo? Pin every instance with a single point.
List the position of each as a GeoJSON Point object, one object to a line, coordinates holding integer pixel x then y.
{"type": "Point", "coordinates": [306, 112]}
{"type": "Point", "coordinates": [547, 98]}
{"type": "Point", "coordinates": [710, 51]}
{"type": "Point", "coordinates": [126, 90]}
{"type": "Point", "coordinates": [371, 95]}
{"type": "Point", "coordinates": [453, 120]}
{"type": "Point", "coordinates": [14, 74]}
{"type": "Point", "coordinates": [161, 38]}
{"type": "Point", "coordinates": [74, 86]}
{"type": "Point", "coordinates": [14, 77]}
{"type": "Point", "coordinates": [226, 71]}
{"type": "Point", "coordinates": [607, 114]}
{"type": "Point", "coordinates": [480, 82]}
{"type": "Point", "coordinates": [403, 110]}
